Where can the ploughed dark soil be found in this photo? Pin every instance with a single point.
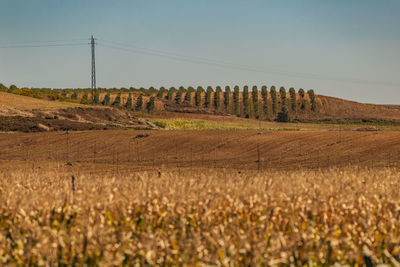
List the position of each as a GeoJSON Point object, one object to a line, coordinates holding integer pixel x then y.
{"type": "Point", "coordinates": [73, 119]}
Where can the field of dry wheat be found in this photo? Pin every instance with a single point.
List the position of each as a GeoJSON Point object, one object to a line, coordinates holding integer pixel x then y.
{"type": "Point", "coordinates": [216, 217]}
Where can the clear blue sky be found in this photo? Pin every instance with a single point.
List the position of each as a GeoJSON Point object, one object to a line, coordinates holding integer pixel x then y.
{"type": "Point", "coordinates": [343, 48]}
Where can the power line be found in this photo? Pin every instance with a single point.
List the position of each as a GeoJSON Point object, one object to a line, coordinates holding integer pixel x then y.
{"type": "Point", "coordinates": [44, 42]}
{"type": "Point", "coordinates": [44, 45]}
{"type": "Point", "coordinates": [224, 64]}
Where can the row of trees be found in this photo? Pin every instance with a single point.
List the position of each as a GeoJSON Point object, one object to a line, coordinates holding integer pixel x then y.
{"type": "Point", "coordinates": [250, 105]}
{"type": "Point", "coordinates": [130, 104]}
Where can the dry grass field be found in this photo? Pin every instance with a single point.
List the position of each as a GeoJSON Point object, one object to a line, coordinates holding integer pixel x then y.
{"type": "Point", "coordinates": [321, 217]}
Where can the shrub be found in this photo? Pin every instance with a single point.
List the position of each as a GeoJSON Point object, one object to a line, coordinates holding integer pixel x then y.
{"type": "Point", "coordinates": [264, 93]}
{"type": "Point", "coordinates": [3, 88]}
{"type": "Point", "coordinates": [217, 98]}
{"type": "Point", "coordinates": [74, 95]}
{"type": "Point", "coordinates": [85, 96]}
{"type": "Point", "coordinates": [139, 103]}
{"type": "Point", "coordinates": [106, 100]}
{"type": "Point", "coordinates": [236, 99]}
{"type": "Point", "coordinates": [274, 100]}
{"type": "Point", "coordinates": [293, 103]}
{"type": "Point", "coordinates": [227, 98]}
{"type": "Point", "coordinates": [199, 91]}
{"type": "Point", "coordinates": [255, 101]}
{"type": "Point", "coordinates": [283, 115]}
{"type": "Point", "coordinates": [150, 105]}
{"type": "Point", "coordinates": [312, 100]}
{"type": "Point", "coordinates": [129, 102]}
{"type": "Point", "coordinates": [117, 100]}
{"type": "Point", "coordinates": [301, 92]}
{"type": "Point", "coordinates": [208, 96]}
{"type": "Point", "coordinates": [282, 92]}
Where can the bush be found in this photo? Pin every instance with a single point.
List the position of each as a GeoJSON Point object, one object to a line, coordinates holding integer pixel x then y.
{"type": "Point", "coordinates": [150, 105]}
{"type": "Point", "coordinates": [106, 100]}
{"type": "Point", "coordinates": [217, 98]}
{"type": "Point", "coordinates": [283, 115]}
{"type": "Point", "coordinates": [208, 96]}
{"type": "Point", "coordinates": [264, 93]}
{"type": "Point", "coordinates": [3, 88]}
{"type": "Point", "coordinates": [96, 99]}
{"type": "Point", "coordinates": [236, 99]}
{"type": "Point", "coordinates": [312, 100]}
{"type": "Point", "coordinates": [74, 95]}
{"type": "Point", "coordinates": [227, 98]}
{"type": "Point", "coordinates": [274, 100]}
{"type": "Point", "coordinates": [293, 102]}
{"type": "Point", "coordinates": [139, 103]}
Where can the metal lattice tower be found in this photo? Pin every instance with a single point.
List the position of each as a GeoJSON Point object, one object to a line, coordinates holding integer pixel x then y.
{"type": "Point", "coordinates": [92, 44]}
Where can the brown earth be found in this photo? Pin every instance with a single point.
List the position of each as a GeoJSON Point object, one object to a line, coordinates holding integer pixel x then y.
{"type": "Point", "coordinates": [105, 151]}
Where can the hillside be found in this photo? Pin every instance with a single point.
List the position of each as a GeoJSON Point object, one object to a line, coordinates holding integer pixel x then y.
{"type": "Point", "coordinates": [27, 114]}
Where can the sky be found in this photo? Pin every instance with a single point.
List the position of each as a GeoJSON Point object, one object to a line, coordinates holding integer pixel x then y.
{"type": "Point", "coordinates": [341, 48]}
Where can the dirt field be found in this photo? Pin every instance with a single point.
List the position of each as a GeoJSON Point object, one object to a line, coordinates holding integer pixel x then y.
{"type": "Point", "coordinates": [107, 151]}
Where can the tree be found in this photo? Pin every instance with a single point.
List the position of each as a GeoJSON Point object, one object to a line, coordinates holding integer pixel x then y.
{"type": "Point", "coordinates": [117, 100]}
{"type": "Point", "coordinates": [274, 100]}
{"type": "Point", "coordinates": [282, 92]}
{"type": "Point", "coordinates": [311, 94]}
{"type": "Point", "coordinates": [208, 96]}
{"type": "Point", "coordinates": [96, 99]}
{"type": "Point", "coordinates": [150, 105]}
{"type": "Point", "coordinates": [217, 98]}
{"type": "Point", "coordinates": [303, 104]}
{"type": "Point", "coordinates": [3, 88]}
{"type": "Point", "coordinates": [188, 96]}
{"type": "Point", "coordinates": [12, 88]}
{"type": "Point", "coordinates": [139, 103]}
{"type": "Point", "coordinates": [161, 92]}
{"type": "Point", "coordinates": [74, 95]}
{"type": "Point", "coordinates": [199, 91]}
{"type": "Point", "coordinates": [236, 99]}
{"type": "Point", "coordinates": [293, 102]}
{"type": "Point", "coordinates": [171, 92]}
{"type": "Point", "coordinates": [255, 101]}
{"type": "Point", "coordinates": [178, 97]}
{"type": "Point", "coordinates": [246, 101]}
{"type": "Point", "coordinates": [227, 98]}
{"type": "Point", "coordinates": [129, 102]}
{"type": "Point", "coordinates": [283, 115]}
{"type": "Point", "coordinates": [264, 93]}
{"type": "Point", "coordinates": [106, 100]}
{"type": "Point", "coordinates": [301, 92]}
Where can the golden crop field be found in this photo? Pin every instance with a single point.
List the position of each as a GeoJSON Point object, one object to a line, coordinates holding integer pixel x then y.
{"type": "Point", "coordinates": [218, 217]}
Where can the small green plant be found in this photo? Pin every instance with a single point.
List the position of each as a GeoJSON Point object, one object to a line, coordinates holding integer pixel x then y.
{"type": "Point", "coordinates": [283, 115]}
